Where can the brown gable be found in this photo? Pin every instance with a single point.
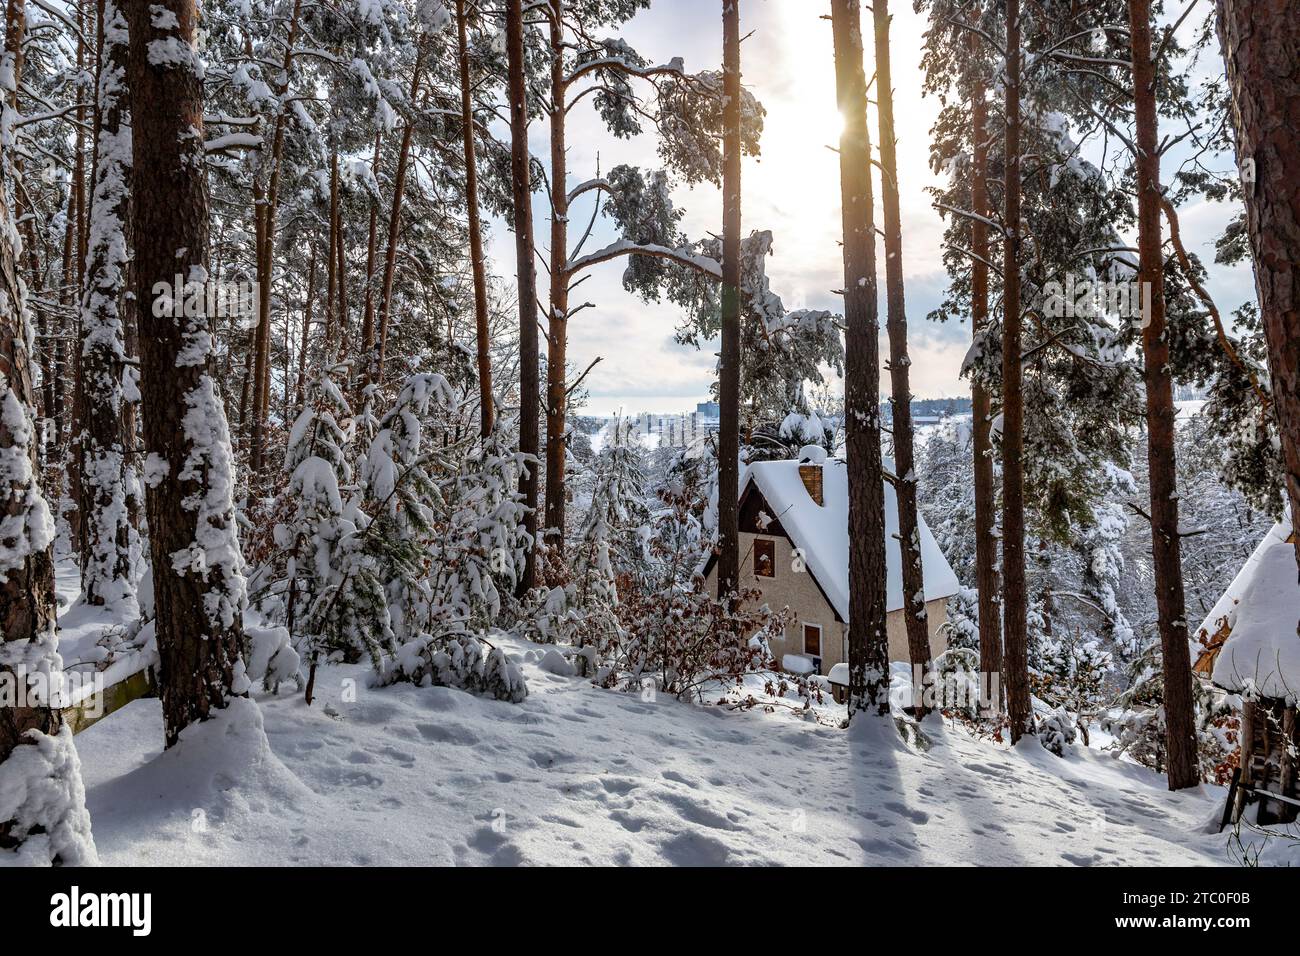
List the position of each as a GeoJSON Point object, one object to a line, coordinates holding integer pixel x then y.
{"type": "Point", "coordinates": [752, 503]}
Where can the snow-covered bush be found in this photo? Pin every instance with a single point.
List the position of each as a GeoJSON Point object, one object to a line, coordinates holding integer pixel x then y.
{"type": "Point", "coordinates": [272, 658]}
{"type": "Point", "coordinates": [686, 639]}
{"type": "Point", "coordinates": [460, 661]}
{"type": "Point", "coordinates": [957, 683]}
{"type": "Point", "coordinates": [1055, 727]}
{"type": "Point", "coordinates": [551, 616]}
{"type": "Point", "coordinates": [1069, 673]}
{"type": "Point", "coordinates": [478, 548]}
{"type": "Point", "coordinates": [1137, 719]}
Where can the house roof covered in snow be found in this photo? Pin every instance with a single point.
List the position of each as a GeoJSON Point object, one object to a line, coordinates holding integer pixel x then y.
{"type": "Point", "coordinates": [1257, 621]}
{"type": "Point", "coordinates": [822, 531]}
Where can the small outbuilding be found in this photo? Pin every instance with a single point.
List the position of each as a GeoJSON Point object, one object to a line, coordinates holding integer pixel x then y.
{"type": "Point", "coordinates": [1250, 645]}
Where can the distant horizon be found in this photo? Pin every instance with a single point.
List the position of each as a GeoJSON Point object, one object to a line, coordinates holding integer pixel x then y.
{"type": "Point", "coordinates": [599, 407]}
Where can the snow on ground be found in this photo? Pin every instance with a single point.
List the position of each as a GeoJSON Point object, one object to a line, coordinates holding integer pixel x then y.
{"type": "Point", "coordinates": [579, 775]}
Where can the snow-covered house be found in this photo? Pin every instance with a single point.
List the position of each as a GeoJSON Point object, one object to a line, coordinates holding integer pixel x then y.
{"type": "Point", "coordinates": [794, 548]}
{"type": "Point", "coordinates": [1250, 645]}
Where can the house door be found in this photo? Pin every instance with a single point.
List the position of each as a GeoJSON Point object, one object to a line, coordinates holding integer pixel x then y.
{"type": "Point", "coordinates": [812, 644]}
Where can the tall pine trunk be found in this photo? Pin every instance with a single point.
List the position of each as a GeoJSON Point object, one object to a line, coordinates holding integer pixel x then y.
{"type": "Point", "coordinates": [557, 319]}
{"type": "Point", "coordinates": [199, 590]}
{"type": "Point", "coordinates": [106, 572]}
{"type": "Point", "coordinates": [304, 343]}
{"type": "Point", "coordinates": [74, 281]}
{"type": "Point", "coordinates": [1014, 602]}
{"type": "Point", "coordinates": [372, 251]}
{"type": "Point", "coordinates": [986, 540]}
{"type": "Point", "coordinates": [868, 639]}
{"type": "Point", "coordinates": [1166, 559]}
{"type": "Point", "coordinates": [520, 175]}
{"type": "Point", "coordinates": [1261, 46]}
{"type": "Point", "coordinates": [266, 212]}
{"type": "Point", "coordinates": [481, 340]}
{"type": "Point", "coordinates": [394, 224]}
{"type": "Point", "coordinates": [914, 613]}
{"type": "Point", "coordinates": [45, 818]}
{"type": "Point", "coordinates": [331, 256]}
{"type": "Point", "coordinates": [729, 362]}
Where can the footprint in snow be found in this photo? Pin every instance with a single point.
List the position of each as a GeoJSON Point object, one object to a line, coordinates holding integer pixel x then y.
{"type": "Point", "coordinates": [619, 785]}
{"type": "Point", "coordinates": [697, 813]}
{"type": "Point", "coordinates": [680, 778]}
{"type": "Point", "coordinates": [1081, 859]}
{"type": "Point", "coordinates": [447, 734]}
{"type": "Point", "coordinates": [695, 849]}
{"type": "Point", "coordinates": [916, 816]}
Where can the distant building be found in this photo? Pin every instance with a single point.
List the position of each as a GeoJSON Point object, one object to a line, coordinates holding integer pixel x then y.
{"type": "Point", "coordinates": [708, 410]}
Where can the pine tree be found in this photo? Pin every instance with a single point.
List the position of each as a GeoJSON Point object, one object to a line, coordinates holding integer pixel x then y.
{"type": "Point", "coordinates": [43, 818]}
{"type": "Point", "coordinates": [197, 564]}
{"type": "Point", "coordinates": [868, 642]}
{"type": "Point", "coordinates": [527, 274]}
{"type": "Point", "coordinates": [487, 402]}
{"type": "Point", "coordinates": [1165, 532]}
{"type": "Point", "coordinates": [909, 537]}
{"type": "Point", "coordinates": [729, 357]}
{"type": "Point", "coordinates": [106, 571]}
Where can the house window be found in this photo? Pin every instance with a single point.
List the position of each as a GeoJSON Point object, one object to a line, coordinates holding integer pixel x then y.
{"type": "Point", "coordinates": [764, 558]}
{"type": "Point", "coordinates": [812, 640]}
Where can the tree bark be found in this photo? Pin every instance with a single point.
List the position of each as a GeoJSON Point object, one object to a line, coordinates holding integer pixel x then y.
{"type": "Point", "coordinates": [265, 211]}
{"type": "Point", "coordinates": [300, 391]}
{"type": "Point", "coordinates": [729, 361]}
{"type": "Point", "coordinates": [331, 257]}
{"type": "Point", "coordinates": [487, 409]}
{"type": "Point", "coordinates": [1261, 47]}
{"type": "Point", "coordinates": [395, 222]}
{"type": "Point", "coordinates": [557, 319]}
{"type": "Point", "coordinates": [527, 275]}
{"type": "Point", "coordinates": [986, 541]}
{"type": "Point", "coordinates": [27, 610]}
{"type": "Point", "coordinates": [15, 33]}
{"type": "Point", "coordinates": [74, 280]}
{"type": "Point", "coordinates": [1165, 543]}
{"type": "Point", "coordinates": [914, 612]}
{"type": "Point", "coordinates": [1014, 602]}
{"type": "Point", "coordinates": [372, 250]}
{"type": "Point", "coordinates": [198, 585]}
{"type": "Point", "coordinates": [106, 570]}
{"type": "Point", "coordinates": [868, 639]}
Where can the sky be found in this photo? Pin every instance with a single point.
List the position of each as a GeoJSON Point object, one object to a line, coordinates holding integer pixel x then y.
{"type": "Point", "coordinates": [792, 188]}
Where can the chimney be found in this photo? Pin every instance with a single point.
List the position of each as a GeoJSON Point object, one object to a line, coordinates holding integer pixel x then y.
{"type": "Point", "coordinates": [812, 481]}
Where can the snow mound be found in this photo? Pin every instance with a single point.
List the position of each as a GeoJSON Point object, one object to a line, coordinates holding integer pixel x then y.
{"type": "Point", "coordinates": [41, 790]}
{"type": "Point", "coordinates": [553, 662]}
{"type": "Point", "coordinates": [222, 779]}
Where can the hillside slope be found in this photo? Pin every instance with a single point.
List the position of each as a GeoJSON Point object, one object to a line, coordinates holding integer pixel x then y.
{"type": "Point", "coordinates": [578, 775]}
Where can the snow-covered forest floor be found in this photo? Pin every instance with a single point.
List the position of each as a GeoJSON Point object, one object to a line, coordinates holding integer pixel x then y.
{"type": "Point", "coordinates": [580, 775]}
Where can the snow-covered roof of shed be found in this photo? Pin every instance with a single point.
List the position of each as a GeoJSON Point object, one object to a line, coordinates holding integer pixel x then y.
{"type": "Point", "coordinates": [822, 531]}
{"type": "Point", "coordinates": [1261, 609]}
